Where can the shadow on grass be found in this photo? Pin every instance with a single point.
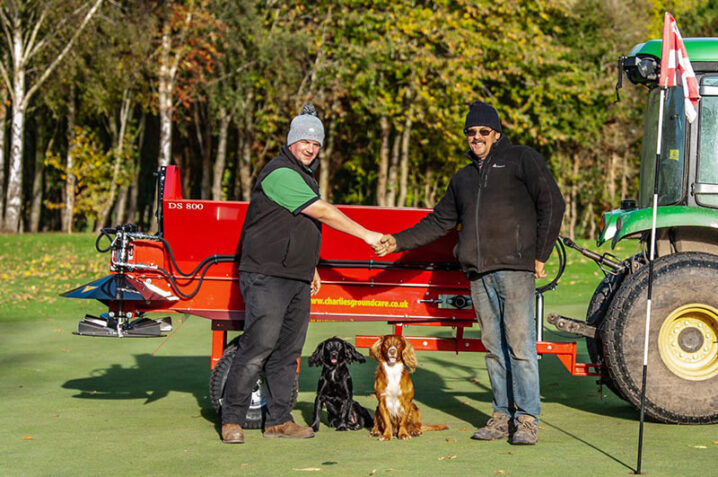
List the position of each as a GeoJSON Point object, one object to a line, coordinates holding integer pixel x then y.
{"type": "Point", "coordinates": [597, 449]}
{"type": "Point", "coordinates": [151, 379]}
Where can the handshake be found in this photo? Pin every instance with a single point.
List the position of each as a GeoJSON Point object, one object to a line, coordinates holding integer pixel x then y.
{"type": "Point", "coordinates": [383, 244]}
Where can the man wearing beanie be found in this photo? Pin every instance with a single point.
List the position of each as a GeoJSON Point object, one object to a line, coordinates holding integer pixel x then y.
{"type": "Point", "coordinates": [510, 210]}
{"type": "Point", "coordinates": [281, 239]}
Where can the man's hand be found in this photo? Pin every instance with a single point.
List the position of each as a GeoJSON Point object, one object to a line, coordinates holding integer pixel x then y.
{"type": "Point", "coordinates": [373, 239]}
{"type": "Point", "coordinates": [316, 283]}
{"type": "Point", "coordinates": [387, 245]}
{"type": "Point", "coordinates": [540, 272]}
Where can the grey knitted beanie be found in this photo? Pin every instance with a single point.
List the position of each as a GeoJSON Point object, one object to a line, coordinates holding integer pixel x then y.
{"type": "Point", "coordinates": [307, 126]}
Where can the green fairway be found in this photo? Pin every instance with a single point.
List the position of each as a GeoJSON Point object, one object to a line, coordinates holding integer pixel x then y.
{"type": "Point", "coordinates": [89, 406]}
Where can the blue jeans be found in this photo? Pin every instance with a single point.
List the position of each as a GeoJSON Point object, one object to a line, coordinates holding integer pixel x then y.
{"type": "Point", "coordinates": [504, 304]}
{"type": "Point", "coordinates": [275, 326]}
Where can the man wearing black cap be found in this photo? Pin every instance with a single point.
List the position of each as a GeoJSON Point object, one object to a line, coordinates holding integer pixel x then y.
{"type": "Point", "coordinates": [510, 211]}
{"type": "Point", "coordinates": [281, 239]}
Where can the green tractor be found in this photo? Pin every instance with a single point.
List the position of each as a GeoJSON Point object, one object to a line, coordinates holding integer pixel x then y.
{"type": "Point", "coordinates": [682, 385]}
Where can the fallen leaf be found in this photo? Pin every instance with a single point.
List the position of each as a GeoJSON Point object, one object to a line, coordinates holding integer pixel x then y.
{"type": "Point", "coordinates": [475, 380]}
{"type": "Point", "coordinates": [465, 402]}
{"type": "Point", "coordinates": [57, 330]}
{"type": "Point", "coordinates": [715, 442]}
{"type": "Point", "coordinates": [463, 429]}
{"type": "Point", "coordinates": [500, 471]}
{"type": "Point", "coordinates": [699, 447]}
{"type": "Point", "coordinates": [28, 438]}
{"type": "Point", "coordinates": [308, 469]}
{"type": "Point", "coordinates": [389, 470]}
{"type": "Point", "coordinates": [511, 452]}
{"type": "Point", "coordinates": [447, 457]}
{"type": "Point", "coordinates": [372, 472]}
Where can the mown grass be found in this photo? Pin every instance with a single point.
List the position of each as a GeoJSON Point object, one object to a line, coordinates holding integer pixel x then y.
{"type": "Point", "coordinates": [88, 406]}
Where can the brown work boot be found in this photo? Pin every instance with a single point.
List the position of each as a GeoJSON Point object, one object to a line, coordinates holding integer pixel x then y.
{"type": "Point", "coordinates": [289, 429]}
{"type": "Point", "coordinates": [496, 428]}
{"type": "Point", "coordinates": [526, 430]}
{"type": "Point", "coordinates": [232, 434]}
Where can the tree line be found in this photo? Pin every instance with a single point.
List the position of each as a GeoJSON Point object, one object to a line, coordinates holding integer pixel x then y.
{"type": "Point", "coordinates": [97, 94]}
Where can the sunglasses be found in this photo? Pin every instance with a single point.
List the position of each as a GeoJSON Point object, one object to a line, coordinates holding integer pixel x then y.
{"type": "Point", "coordinates": [474, 131]}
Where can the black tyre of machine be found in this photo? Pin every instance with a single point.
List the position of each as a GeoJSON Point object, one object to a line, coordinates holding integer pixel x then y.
{"type": "Point", "coordinates": [597, 310]}
{"type": "Point", "coordinates": [257, 406]}
{"type": "Point", "coordinates": [595, 315]}
{"type": "Point", "coordinates": [683, 339]}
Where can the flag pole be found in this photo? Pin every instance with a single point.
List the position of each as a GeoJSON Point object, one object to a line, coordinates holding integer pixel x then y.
{"type": "Point", "coordinates": [652, 256]}
{"type": "Point", "coordinates": [674, 64]}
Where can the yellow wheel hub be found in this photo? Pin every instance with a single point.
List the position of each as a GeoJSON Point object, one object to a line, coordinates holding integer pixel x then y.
{"type": "Point", "coordinates": [688, 342]}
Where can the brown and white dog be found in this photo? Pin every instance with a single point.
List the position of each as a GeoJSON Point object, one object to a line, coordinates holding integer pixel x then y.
{"type": "Point", "coordinates": [396, 414]}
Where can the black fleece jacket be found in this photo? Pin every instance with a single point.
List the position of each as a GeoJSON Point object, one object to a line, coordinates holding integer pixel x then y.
{"type": "Point", "coordinates": [509, 212]}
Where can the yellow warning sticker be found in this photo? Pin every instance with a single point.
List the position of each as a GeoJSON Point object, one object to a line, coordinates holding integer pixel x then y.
{"type": "Point", "coordinates": [674, 155]}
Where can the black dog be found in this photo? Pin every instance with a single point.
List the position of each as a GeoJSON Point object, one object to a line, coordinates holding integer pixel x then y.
{"type": "Point", "coordinates": [335, 386]}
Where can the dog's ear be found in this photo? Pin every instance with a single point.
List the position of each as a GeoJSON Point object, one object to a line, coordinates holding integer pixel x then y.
{"type": "Point", "coordinates": [351, 354]}
{"type": "Point", "coordinates": [374, 351]}
{"type": "Point", "coordinates": [408, 356]}
{"type": "Point", "coordinates": [317, 358]}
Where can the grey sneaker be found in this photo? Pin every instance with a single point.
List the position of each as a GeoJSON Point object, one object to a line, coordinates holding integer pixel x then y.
{"type": "Point", "coordinates": [496, 428]}
{"type": "Point", "coordinates": [526, 430]}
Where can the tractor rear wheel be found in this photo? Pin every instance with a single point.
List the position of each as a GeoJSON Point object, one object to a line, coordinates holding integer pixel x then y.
{"type": "Point", "coordinates": [683, 339]}
{"type": "Point", "coordinates": [257, 406]}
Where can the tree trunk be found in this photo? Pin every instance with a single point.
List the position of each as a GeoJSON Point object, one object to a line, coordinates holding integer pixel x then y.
{"type": "Point", "coordinates": [133, 205]}
{"type": "Point", "coordinates": [404, 165]}
{"type": "Point", "coordinates": [125, 111]}
{"type": "Point", "coordinates": [203, 130]}
{"type": "Point", "coordinates": [13, 198]}
{"type": "Point", "coordinates": [121, 203]}
{"type": "Point", "coordinates": [3, 117]}
{"type": "Point", "coordinates": [37, 185]}
{"type": "Point", "coordinates": [224, 120]}
{"type": "Point", "coordinates": [244, 149]}
{"type": "Point", "coordinates": [626, 170]}
{"type": "Point", "coordinates": [325, 161]}
{"type": "Point", "coordinates": [429, 189]}
{"type": "Point", "coordinates": [611, 166]}
{"type": "Point", "coordinates": [186, 166]}
{"type": "Point", "coordinates": [393, 174]}
{"type": "Point", "coordinates": [166, 85]}
{"type": "Point", "coordinates": [571, 205]}
{"type": "Point", "coordinates": [383, 165]}
{"type": "Point", "coordinates": [130, 194]}
{"type": "Point", "coordinates": [70, 180]}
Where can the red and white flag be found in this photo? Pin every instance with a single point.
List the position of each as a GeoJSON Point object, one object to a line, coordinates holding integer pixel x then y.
{"type": "Point", "coordinates": [676, 69]}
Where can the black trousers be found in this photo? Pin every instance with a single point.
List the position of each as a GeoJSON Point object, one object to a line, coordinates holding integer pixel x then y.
{"type": "Point", "coordinates": [275, 327]}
